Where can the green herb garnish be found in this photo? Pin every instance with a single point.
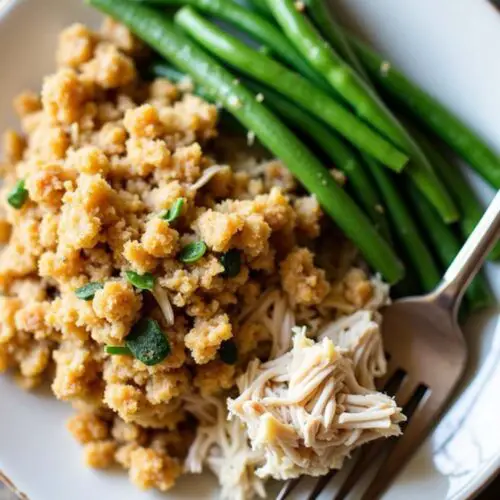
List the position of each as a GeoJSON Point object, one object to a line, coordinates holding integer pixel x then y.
{"type": "Point", "coordinates": [87, 292]}
{"type": "Point", "coordinates": [193, 252]}
{"type": "Point", "coordinates": [147, 342]}
{"type": "Point", "coordinates": [231, 261]}
{"type": "Point", "coordinates": [174, 211]}
{"type": "Point", "coordinates": [228, 352]}
{"type": "Point", "coordinates": [18, 196]}
{"type": "Point", "coordinates": [141, 281]}
{"type": "Point", "coordinates": [118, 350]}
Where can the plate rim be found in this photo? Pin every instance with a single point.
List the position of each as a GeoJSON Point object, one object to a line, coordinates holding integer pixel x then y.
{"type": "Point", "coordinates": [470, 490]}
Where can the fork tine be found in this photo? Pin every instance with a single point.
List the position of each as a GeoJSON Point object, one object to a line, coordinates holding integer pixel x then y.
{"type": "Point", "coordinates": [321, 483]}
{"type": "Point", "coordinates": [394, 382]}
{"type": "Point", "coordinates": [287, 488]}
{"type": "Point", "coordinates": [392, 367]}
{"type": "Point", "coordinates": [406, 390]}
{"type": "Point", "coordinates": [369, 453]}
{"type": "Point", "coordinates": [417, 429]}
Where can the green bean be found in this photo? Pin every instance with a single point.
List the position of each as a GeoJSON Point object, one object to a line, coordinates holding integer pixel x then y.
{"type": "Point", "coordinates": [161, 34]}
{"type": "Point", "coordinates": [258, 27]}
{"type": "Point", "coordinates": [470, 207]}
{"type": "Point", "coordinates": [446, 245]}
{"type": "Point", "coordinates": [431, 113]}
{"type": "Point", "coordinates": [405, 228]}
{"type": "Point", "coordinates": [261, 7]}
{"type": "Point", "coordinates": [408, 233]}
{"type": "Point", "coordinates": [289, 83]}
{"type": "Point", "coordinates": [342, 155]}
{"type": "Point", "coordinates": [345, 81]}
{"type": "Point", "coordinates": [323, 17]}
{"type": "Point", "coordinates": [363, 99]}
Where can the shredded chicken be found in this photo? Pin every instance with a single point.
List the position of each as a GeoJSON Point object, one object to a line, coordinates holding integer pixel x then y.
{"type": "Point", "coordinates": [307, 412]}
{"type": "Point", "coordinates": [161, 297]}
{"type": "Point", "coordinates": [207, 176]}
{"type": "Point", "coordinates": [223, 446]}
{"type": "Point", "coordinates": [274, 313]}
{"type": "Point", "coordinates": [360, 335]}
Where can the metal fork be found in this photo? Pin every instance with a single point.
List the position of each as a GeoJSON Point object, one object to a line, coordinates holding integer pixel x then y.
{"type": "Point", "coordinates": [427, 356]}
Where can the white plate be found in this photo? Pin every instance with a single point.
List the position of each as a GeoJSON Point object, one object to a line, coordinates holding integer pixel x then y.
{"type": "Point", "coordinates": [451, 47]}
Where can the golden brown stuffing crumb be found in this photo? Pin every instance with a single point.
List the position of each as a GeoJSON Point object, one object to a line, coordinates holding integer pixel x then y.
{"type": "Point", "coordinates": [145, 155]}
{"type": "Point", "coordinates": [358, 288]}
{"type": "Point", "coordinates": [112, 138]}
{"type": "Point", "coordinates": [5, 230]}
{"type": "Point", "coordinates": [132, 405]}
{"type": "Point", "coordinates": [163, 387]}
{"type": "Point", "coordinates": [88, 160]}
{"type": "Point", "coordinates": [163, 91]}
{"type": "Point", "coordinates": [8, 309]}
{"type": "Point", "coordinates": [35, 361]}
{"type": "Point", "coordinates": [217, 229]}
{"type": "Point", "coordinates": [32, 318]}
{"type": "Point", "coordinates": [123, 454]}
{"type": "Point", "coordinates": [138, 257]}
{"type": "Point", "coordinates": [117, 301]}
{"type": "Point", "coordinates": [63, 96]}
{"type": "Point", "coordinates": [302, 281]}
{"type": "Point", "coordinates": [99, 454]}
{"type": "Point", "coordinates": [153, 469]}
{"type": "Point", "coordinates": [186, 162]}
{"type": "Point", "coordinates": [120, 36]}
{"type": "Point", "coordinates": [125, 432]}
{"type": "Point", "coordinates": [49, 183]}
{"type": "Point", "coordinates": [13, 146]}
{"type": "Point", "coordinates": [254, 237]}
{"type": "Point", "coordinates": [308, 215]}
{"type": "Point", "coordinates": [205, 338]}
{"type": "Point", "coordinates": [27, 103]}
{"type": "Point", "coordinates": [76, 46]}
{"type": "Point", "coordinates": [159, 239]}
{"type": "Point", "coordinates": [143, 121]}
{"type": "Point", "coordinates": [77, 372]}
{"type": "Point", "coordinates": [214, 377]}
{"type": "Point", "coordinates": [109, 68]}
{"type": "Point", "coordinates": [87, 427]}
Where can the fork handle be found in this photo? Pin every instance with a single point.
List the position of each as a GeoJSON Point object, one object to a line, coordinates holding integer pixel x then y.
{"type": "Point", "coordinates": [469, 260]}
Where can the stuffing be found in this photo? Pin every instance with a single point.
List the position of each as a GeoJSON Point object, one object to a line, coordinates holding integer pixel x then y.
{"type": "Point", "coordinates": [303, 282]}
{"type": "Point", "coordinates": [87, 428]}
{"type": "Point", "coordinates": [206, 337]}
{"type": "Point", "coordinates": [76, 46]}
{"type": "Point", "coordinates": [154, 261]}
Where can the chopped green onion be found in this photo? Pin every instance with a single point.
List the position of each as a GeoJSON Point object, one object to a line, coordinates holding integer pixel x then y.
{"type": "Point", "coordinates": [87, 292]}
{"type": "Point", "coordinates": [18, 196]}
{"type": "Point", "coordinates": [193, 252]}
{"type": "Point", "coordinates": [231, 261]}
{"type": "Point", "coordinates": [174, 211]}
{"type": "Point", "coordinates": [147, 342]}
{"type": "Point", "coordinates": [228, 352]}
{"type": "Point", "coordinates": [118, 350]}
{"type": "Point", "coordinates": [144, 281]}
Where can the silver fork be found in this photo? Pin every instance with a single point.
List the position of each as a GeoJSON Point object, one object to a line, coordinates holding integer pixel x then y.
{"type": "Point", "coordinates": [426, 359]}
